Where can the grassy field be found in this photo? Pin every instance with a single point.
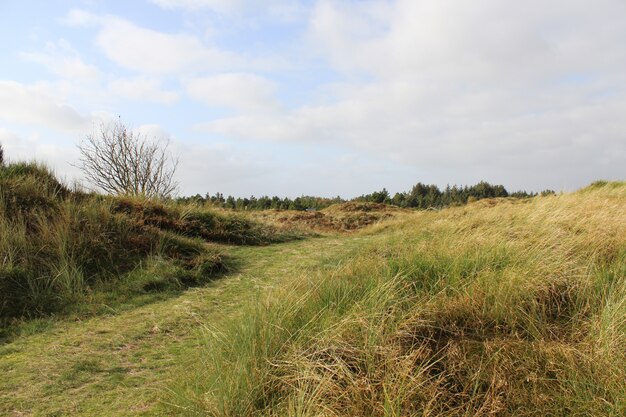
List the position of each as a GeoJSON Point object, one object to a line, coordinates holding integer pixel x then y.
{"type": "Point", "coordinates": [501, 307]}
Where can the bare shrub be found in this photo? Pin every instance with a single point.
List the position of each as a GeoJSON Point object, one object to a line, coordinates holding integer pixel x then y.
{"type": "Point", "coordinates": [117, 160]}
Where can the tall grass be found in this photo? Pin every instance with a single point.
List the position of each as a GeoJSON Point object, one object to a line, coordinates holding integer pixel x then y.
{"type": "Point", "coordinates": [54, 248]}
{"type": "Point", "coordinates": [501, 307]}
{"type": "Point", "coordinates": [57, 246]}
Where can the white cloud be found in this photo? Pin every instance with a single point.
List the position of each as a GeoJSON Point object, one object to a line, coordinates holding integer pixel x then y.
{"type": "Point", "coordinates": [29, 104]}
{"type": "Point", "coordinates": [193, 5]}
{"type": "Point", "coordinates": [282, 10]}
{"type": "Point", "coordinates": [516, 92]}
{"type": "Point", "coordinates": [150, 51]}
{"type": "Point", "coordinates": [241, 91]}
{"type": "Point", "coordinates": [77, 17]}
{"type": "Point", "coordinates": [32, 147]}
{"type": "Point", "coordinates": [223, 168]}
{"type": "Point", "coordinates": [468, 41]}
{"type": "Point", "coordinates": [500, 91]}
{"type": "Point", "coordinates": [142, 89]}
{"type": "Point", "coordinates": [153, 52]}
{"type": "Point", "coordinates": [154, 132]}
{"type": "Point", "coordinates": [63, 60]}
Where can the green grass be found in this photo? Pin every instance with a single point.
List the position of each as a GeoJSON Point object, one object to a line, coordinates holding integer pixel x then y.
{"type": "Point", "coordinates": [121, 363]}
{"type": "Point", "coordinates": [501, 307]}
{"type": "Point", "coordinates": [62, 251]}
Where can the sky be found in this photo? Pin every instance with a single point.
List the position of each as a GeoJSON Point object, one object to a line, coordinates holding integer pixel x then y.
{"type": "Point", "coordinates": [321, 97]}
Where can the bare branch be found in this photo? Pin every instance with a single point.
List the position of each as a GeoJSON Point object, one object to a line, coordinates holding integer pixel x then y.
{"type": "Point", "coordinates": [117, 160]}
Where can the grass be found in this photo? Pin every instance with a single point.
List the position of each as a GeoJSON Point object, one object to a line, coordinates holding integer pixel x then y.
{"type": "Point", "coordinates": [503, 306]}
{"type": "Point", "coordinates": [63, 250]}
{"type": "Point", "coordinates": [344, 217]}
{"type": "Point", "coordinates": [120, 362]}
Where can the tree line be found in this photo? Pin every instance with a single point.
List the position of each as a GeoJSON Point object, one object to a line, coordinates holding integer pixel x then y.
{"type": "Point", "coordinates": [421, 196]}
{"type": "Point", "coordinates": [263, 202]}
{"type": "Point", "coordinates": [424, 196]}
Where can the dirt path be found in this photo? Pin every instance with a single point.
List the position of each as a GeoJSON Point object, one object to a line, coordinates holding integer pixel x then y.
{"type": "Point", "coordinates": [118, 365]}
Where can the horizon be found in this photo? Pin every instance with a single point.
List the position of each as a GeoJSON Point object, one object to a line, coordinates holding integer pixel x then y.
{"type": "Point", "coordinates": [325, 98]}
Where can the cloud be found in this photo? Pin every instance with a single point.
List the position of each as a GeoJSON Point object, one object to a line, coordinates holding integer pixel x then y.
{"type": "Point", "coordinates": [149, 51]}
{"type": "Point", "coordinates": [464, 41]}
{"type": "Point", "coordinates": [223, 168]}
{"type": "Point", "coordinates": [29, 104]}
{"type": "Point", "coordinates": [500, 91]}
{"type": "Point", "coordinates": [282, 10]}
{"type": "Point", "coordinates": [247, 92]}
{"type": "Point", "coordinates": [77, 17]}
{"type": "Point", "coordinates": [153, 52]}
{"type": "Point", "coordinates": [142, 89]}
{"type": "Point", "coordinates": [530, 94]}
{"type": "Point", "coordinates": [63, 60]}
{"type": "Point", "coordinates": [457, 139]}
{"type": "Point", "coordinates": [193, 5]}
{"type": "Point", "coordinates": [32, 147]}
{"type": "Point", "coordinates": [11, 142]}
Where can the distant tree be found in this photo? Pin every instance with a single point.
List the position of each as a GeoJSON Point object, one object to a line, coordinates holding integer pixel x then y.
{"type": "Point", "coordinates": [485, 190]}
{"type": "Point", "coordinates": [1, 155]}
{"type": "Point", "coordinates": [119, 161]}
{"type": "Point", "coordinates": [421, 196]}
{"type": "Point", "coordinates": [522, 194]}
{"type": "Point", "coordinates": [399, 199]}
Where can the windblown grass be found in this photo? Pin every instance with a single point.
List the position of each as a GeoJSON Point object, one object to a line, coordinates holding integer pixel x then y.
{"type": "Point", "coordinates": [60, 248]}
{"type": "Point", "coordinates": [500, 307]}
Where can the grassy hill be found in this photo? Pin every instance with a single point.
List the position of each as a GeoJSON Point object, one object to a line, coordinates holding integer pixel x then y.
{"type": "Point", "coordinates": [63, 250]}
{"type": "Point", "coordinates": [127, 307]}
{"type": "Point", "coordinates": [507, 307]}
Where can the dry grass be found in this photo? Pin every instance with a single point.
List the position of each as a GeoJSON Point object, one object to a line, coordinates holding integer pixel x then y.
{"type": "Point", "coordinates": [501, 307]}
{"type": "Point", "coordinates": [345, 217]}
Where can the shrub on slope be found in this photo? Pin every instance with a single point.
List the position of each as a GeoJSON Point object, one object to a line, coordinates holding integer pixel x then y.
{"type": "Point", "coordinates": [195, 221]}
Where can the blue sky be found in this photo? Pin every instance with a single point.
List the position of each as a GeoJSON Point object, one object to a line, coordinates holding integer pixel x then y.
{"type": "Point", "coordinates": [325, 97]}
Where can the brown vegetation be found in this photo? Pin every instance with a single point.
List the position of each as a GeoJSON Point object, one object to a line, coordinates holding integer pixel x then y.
{"type": "Point", "coordinates": [495, 308]}
{"type": "Point", "coordinates": [344, 217]}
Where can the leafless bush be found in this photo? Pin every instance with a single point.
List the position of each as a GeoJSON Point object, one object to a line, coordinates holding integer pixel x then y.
{"type": "Point", "coordinates": [119, 161]}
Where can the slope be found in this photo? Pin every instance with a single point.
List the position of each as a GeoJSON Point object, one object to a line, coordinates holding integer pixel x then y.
{"type": "Point", "coordinates": [505, 307]}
